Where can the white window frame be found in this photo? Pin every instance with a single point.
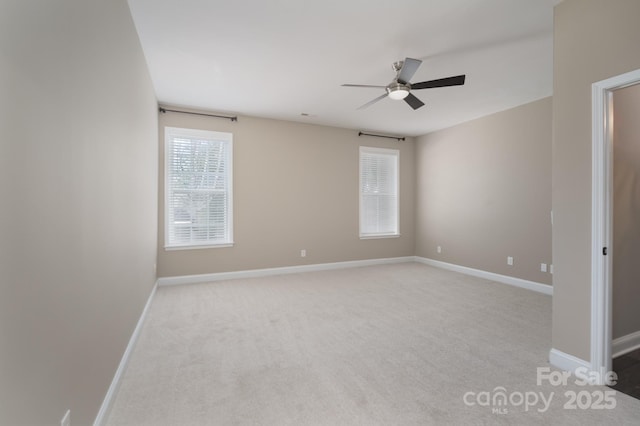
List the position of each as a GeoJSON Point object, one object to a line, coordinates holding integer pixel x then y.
{"type": "Point", "coordinates": [395, 153]}
{"type": "Point", "coordinates": [169, 133]}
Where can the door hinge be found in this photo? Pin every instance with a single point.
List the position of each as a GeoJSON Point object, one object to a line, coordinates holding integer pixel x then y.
{"type": "Point", "coordinates": [604, 251]}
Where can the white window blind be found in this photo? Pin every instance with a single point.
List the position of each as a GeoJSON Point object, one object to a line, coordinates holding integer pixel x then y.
{"type": "Point", "coordinates": [198, 188]}
{"type": "Point", "coordinates": [378, 192]}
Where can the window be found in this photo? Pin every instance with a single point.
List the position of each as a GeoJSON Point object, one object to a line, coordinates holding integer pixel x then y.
{"type": "Point", "coordinates": [198, 188]}
{"type": "Point", "coordinates": [378, 192]}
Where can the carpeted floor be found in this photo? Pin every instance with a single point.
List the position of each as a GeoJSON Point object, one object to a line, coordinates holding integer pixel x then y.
{"type": "Point", "coordinates": [401, 344]}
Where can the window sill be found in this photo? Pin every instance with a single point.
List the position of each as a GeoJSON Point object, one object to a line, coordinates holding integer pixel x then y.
{"type": "Point", "coordinates": [374, 237]}
{"type": "Point", "coordinates": [197, 247]}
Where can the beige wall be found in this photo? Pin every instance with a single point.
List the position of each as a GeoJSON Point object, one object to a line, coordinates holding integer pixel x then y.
{"type": "Point", "coordinates": [78, 191]}
{"type": "Point", "coordinates": [626, 211]}
{"type": "Point", "coordinates": [593, 40]}
{"type": "Point", "coordinates": [484, 192]}
{"type": "Point", "coordinates": [295, 187]}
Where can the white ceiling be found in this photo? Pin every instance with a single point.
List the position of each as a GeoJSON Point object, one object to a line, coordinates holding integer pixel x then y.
{"type": "Point", "coordinates": [282, 58]}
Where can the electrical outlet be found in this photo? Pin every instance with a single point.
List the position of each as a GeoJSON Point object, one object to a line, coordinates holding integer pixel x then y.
{"type": "Point", "coordinates": [66, 419]}
{"type": "Point", "coordinates": [543, 267]}
{"type": "Point", "coordinates": [551, 269]}
{"type": "Point", "coordinates": [303, 253]}
{"type": "Point", "coordinates": [439, 249]}
{"type": "Point", "coordinates": [509, 260]}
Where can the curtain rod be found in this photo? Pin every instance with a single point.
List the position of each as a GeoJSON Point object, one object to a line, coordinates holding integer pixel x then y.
{"type": "Point", "coordinates": [164, 110]}
{"type": "Point", "coordinates": [381, 136]}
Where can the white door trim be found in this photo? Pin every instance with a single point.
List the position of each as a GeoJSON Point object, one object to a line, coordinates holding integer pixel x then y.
{"type": "Point", "coordinates": [601, 218]}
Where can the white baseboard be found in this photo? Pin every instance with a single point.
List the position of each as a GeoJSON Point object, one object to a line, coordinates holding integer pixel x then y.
{"type": "Point", "coordinates": [567, 362]}
{"type": "Point", "coordinates": [109, 398]}
{"type": "Point", "coordinates": [253, 273]}
{"type": "Point", "coordinates": [625, 344]}
{"type": "Point", "coordinates": [580, 368]}
{"type": "Point", "coordinates": [517, 282]}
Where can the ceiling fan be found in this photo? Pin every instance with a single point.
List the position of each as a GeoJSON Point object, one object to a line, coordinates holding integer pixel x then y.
{"type": "Point", "coordinates": [400, 87]}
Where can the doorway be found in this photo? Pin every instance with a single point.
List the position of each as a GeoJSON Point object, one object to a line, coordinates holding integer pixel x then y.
{"type": "Point", "coordinates": [602, 300]}
{"type": "Point", "coordinates": [625, 346]}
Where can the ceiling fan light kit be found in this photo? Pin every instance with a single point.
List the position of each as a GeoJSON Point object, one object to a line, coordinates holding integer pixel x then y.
{"type": "Point", "coordinates": [397, 91]}
{"type": "Point", "coordinates": [400, 88]}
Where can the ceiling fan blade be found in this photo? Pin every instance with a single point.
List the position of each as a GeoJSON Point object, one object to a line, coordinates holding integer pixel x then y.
{"type": "Point", "coordinates": [363, 85]}
{"type": "Point", "coordinates": [458, 80]}
{"type": "Point", "coordinates": [409, 68]}
{"type": "Point", "coordinates": [414, 102]}
{"type": "Point", "coordinates": [368, 104]}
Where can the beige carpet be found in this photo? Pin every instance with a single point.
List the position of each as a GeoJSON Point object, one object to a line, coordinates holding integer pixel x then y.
{"type": "Point", "coordinates": [383, 345]}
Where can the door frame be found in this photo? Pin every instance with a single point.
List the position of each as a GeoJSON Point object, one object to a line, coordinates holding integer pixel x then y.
{"type": "Point", "coordinates": [602, 219]}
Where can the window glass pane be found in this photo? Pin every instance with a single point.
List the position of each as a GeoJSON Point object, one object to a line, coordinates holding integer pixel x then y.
{"type": "Point", "coordinates": [198, 187]}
